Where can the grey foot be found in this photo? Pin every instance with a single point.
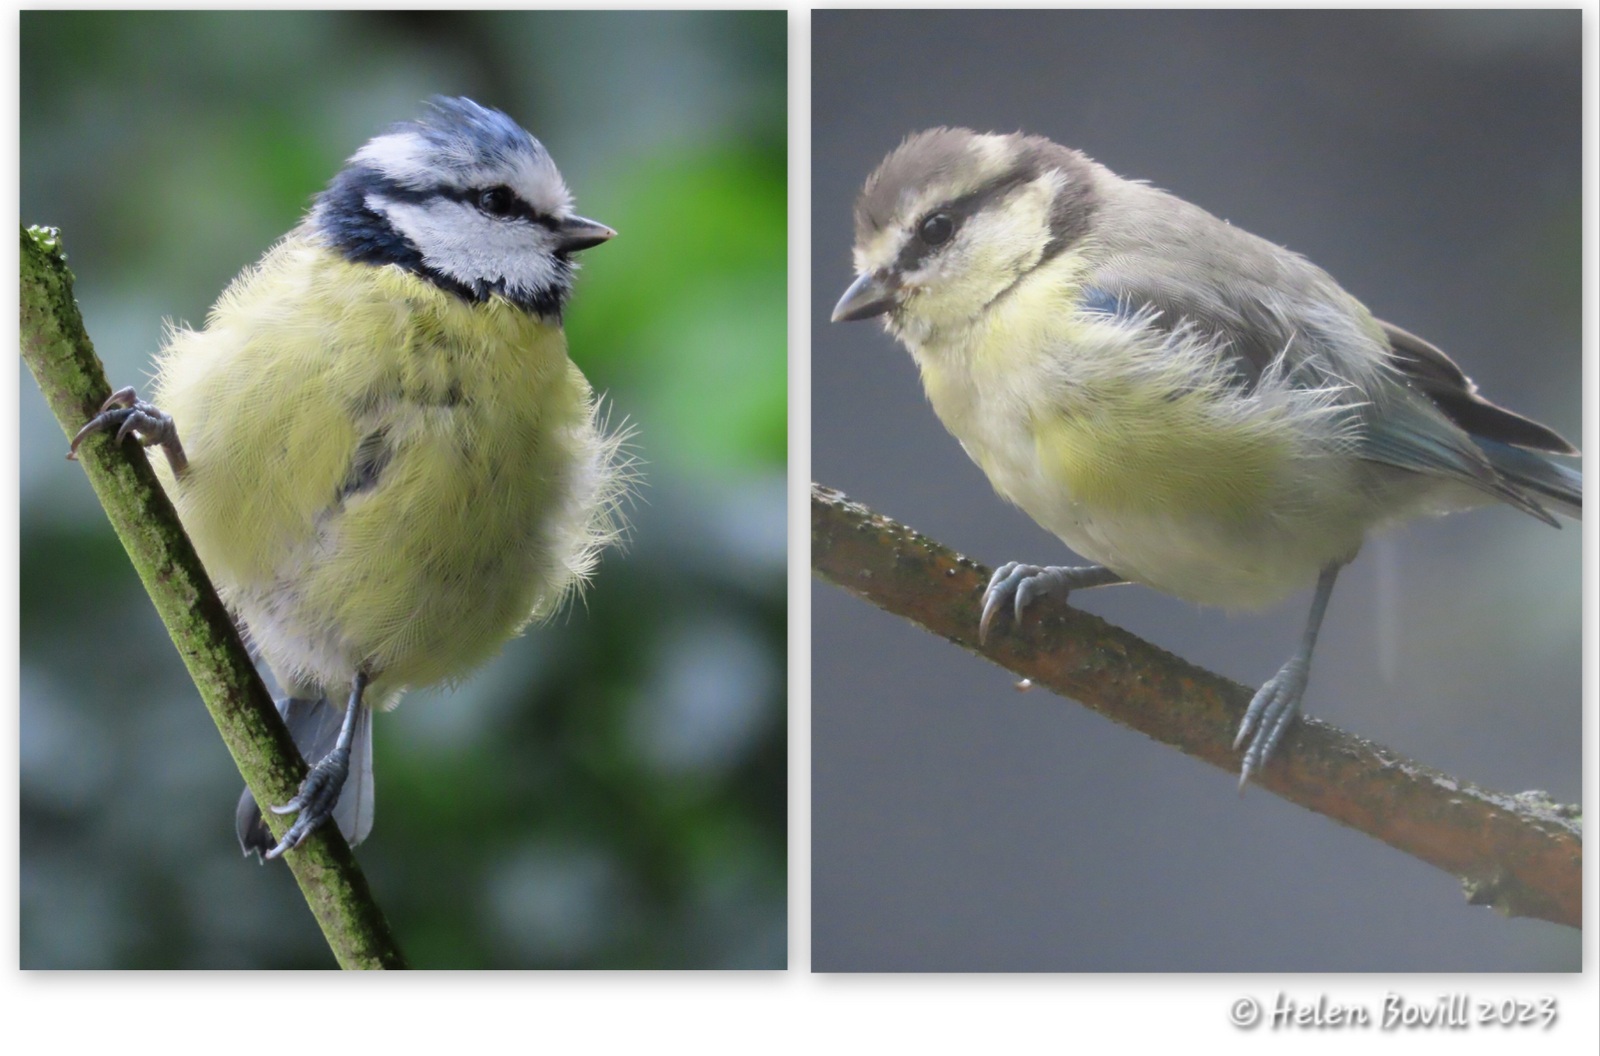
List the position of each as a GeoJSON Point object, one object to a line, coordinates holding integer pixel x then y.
{"type": "Point", "coordinates": [319, 794]}
{"type": "Point", "coordinates": [129, 415]}
{"type": "Point", "coordinates": [1270, 714]}
{"type": "Point", "coordinates": [1022, 584]}
{"type": "Point", "coordinates": [1275, 704]}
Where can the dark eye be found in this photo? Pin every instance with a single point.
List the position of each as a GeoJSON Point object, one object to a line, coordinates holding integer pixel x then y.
{"type": "Point", "coordinates": [936, 228]}
{"type": "Point", "coordinates": [497, 201]}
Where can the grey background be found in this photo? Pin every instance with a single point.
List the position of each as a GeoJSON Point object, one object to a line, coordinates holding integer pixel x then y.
{"type": "Point", "coordinates": [1431, 162]}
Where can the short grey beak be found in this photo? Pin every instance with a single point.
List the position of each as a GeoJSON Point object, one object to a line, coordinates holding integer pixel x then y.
{"type": "Point", "coordinates": [868, 296]}
{"type": "Point", "coordinates": [576, 233]}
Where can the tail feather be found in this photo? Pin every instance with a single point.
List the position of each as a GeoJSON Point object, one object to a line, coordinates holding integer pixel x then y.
{"type": "Point", "coordinates": [1548, 482]}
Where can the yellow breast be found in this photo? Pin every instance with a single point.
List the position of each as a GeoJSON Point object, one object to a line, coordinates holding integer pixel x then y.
{"type": "Point", "coordinates": [1125, 450]}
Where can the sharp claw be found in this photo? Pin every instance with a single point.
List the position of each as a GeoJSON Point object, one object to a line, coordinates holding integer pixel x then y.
{"type": "Point", "coordinates": [123, 397]}
{"type": "Point", "coordinates": [991, 605]}
{"type": "Point", "coordinates": [1272, 710]}
{"type": "Point", "coordinates": [133, 417]}
{"type": "Point", "coordinates": [317, 796]}
{"type": "Point", "coordinates": [91, 426]}
{"type": "Point", "coordinates": [290, 841]}
{"type": "Point", "coordinates": [1247, 725]}
{"type": "Point", "coordinates": [1025, 584]}
{"type": "Point", "coordinates": [298, 833]}
{"type": "Point", "coordinates": [993, 598]}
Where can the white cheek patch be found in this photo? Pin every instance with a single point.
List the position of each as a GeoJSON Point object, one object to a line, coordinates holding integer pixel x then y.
{"type": "Point", "coordinates": [457, 240]}
{"type": "Point", "coordinates": [995, 244]}
{"type": "Point", "coordinates": [993, 249]}
{"type": "Point", "coordinates": [1008, 240]}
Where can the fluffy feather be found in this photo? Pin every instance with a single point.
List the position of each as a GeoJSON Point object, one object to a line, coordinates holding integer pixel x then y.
{"type": "Point", "coordinates": [393, 466]}
{"type": "Point", "coordinates": [1190, 405]}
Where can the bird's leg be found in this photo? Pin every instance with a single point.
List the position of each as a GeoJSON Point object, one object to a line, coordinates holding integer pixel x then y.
{"type": "Point", "coordinates": [1277, 703]}
{"type": "Point", "coordinates": [1023, 583]}
{"type": "Point", "coordinates": [319, 792]}
{"type": "Point", "coordinates": [128, 414]}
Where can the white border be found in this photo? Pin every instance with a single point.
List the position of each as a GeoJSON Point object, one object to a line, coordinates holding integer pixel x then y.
{"type": "Point", "coordinates": [792, 1011]}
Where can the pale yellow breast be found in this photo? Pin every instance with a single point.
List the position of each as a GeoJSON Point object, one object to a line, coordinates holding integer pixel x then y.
{"type": "Point", "coordinates": [1126, 450]}
{"type": "Point", "coordinates": [465, 534]}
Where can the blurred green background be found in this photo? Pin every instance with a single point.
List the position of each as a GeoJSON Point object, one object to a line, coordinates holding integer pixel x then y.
{"type": "Point", "coordinates": [610, 792]}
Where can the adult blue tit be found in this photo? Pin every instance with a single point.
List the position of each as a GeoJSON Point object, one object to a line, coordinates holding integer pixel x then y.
{"type": "Point", "coordinates": [1185, 404]}
{"type": "Point", "coordinates": [378, 444]}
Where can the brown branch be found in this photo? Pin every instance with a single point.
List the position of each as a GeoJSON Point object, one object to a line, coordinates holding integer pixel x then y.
{"type": "Point", "coordinates": [63, 362]}
{"type": "Point", "coordinates": [1522, 854]}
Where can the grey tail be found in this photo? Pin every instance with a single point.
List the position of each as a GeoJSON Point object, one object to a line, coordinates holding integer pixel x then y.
{"type": "Point", "coordinates": [314, 725]}
{"type": "Point", "coordinates": [1546, 481]}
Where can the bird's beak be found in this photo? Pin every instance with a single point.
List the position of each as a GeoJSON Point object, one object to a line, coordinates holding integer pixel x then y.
{"type": "Point", "coordinates": [576, 233]}
{"type": "Point", "coordinates": [869, 295]}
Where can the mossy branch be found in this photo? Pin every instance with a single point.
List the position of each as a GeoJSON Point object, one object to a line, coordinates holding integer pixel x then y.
{"type": "Point", "coordinates": [1522, 854]}
{"type": "Point", "coordinates": [63, 362]}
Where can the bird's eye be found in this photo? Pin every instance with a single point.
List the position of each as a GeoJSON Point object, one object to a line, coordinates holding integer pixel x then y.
{"type": "Point", "coordinates": [936, 229]}
{"type": "Point", "coordinates": [497, 201]}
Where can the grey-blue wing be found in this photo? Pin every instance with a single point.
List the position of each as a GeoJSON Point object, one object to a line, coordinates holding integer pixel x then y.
{"type": "Point", "coordinates": [1423, 417]}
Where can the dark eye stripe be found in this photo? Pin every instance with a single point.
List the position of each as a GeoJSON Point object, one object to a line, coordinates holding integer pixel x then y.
{"type": "Point", "coordinates": [519, 209]}
{"type": "Point", "coordinates": [959, 209]}
{"type": "Point", "coordinates": [364, 182]}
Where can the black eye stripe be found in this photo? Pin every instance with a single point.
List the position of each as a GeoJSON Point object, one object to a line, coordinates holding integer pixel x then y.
{"type": "Point", "coordinates": [958, 210]}
{"type": "Point", "coordinates": [363, 183]}
{"type": "Point", "coordinates": [518, 209]}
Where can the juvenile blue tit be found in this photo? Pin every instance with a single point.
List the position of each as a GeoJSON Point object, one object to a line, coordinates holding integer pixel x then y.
{"type": "Point", "coordinates": [387, 462]}
{"type": "Point", "coordinates": [1188, 405]}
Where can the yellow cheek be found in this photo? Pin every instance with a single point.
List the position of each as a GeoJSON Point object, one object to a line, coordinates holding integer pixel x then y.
{"type": "Point", "coordinates": [1157, 453]}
